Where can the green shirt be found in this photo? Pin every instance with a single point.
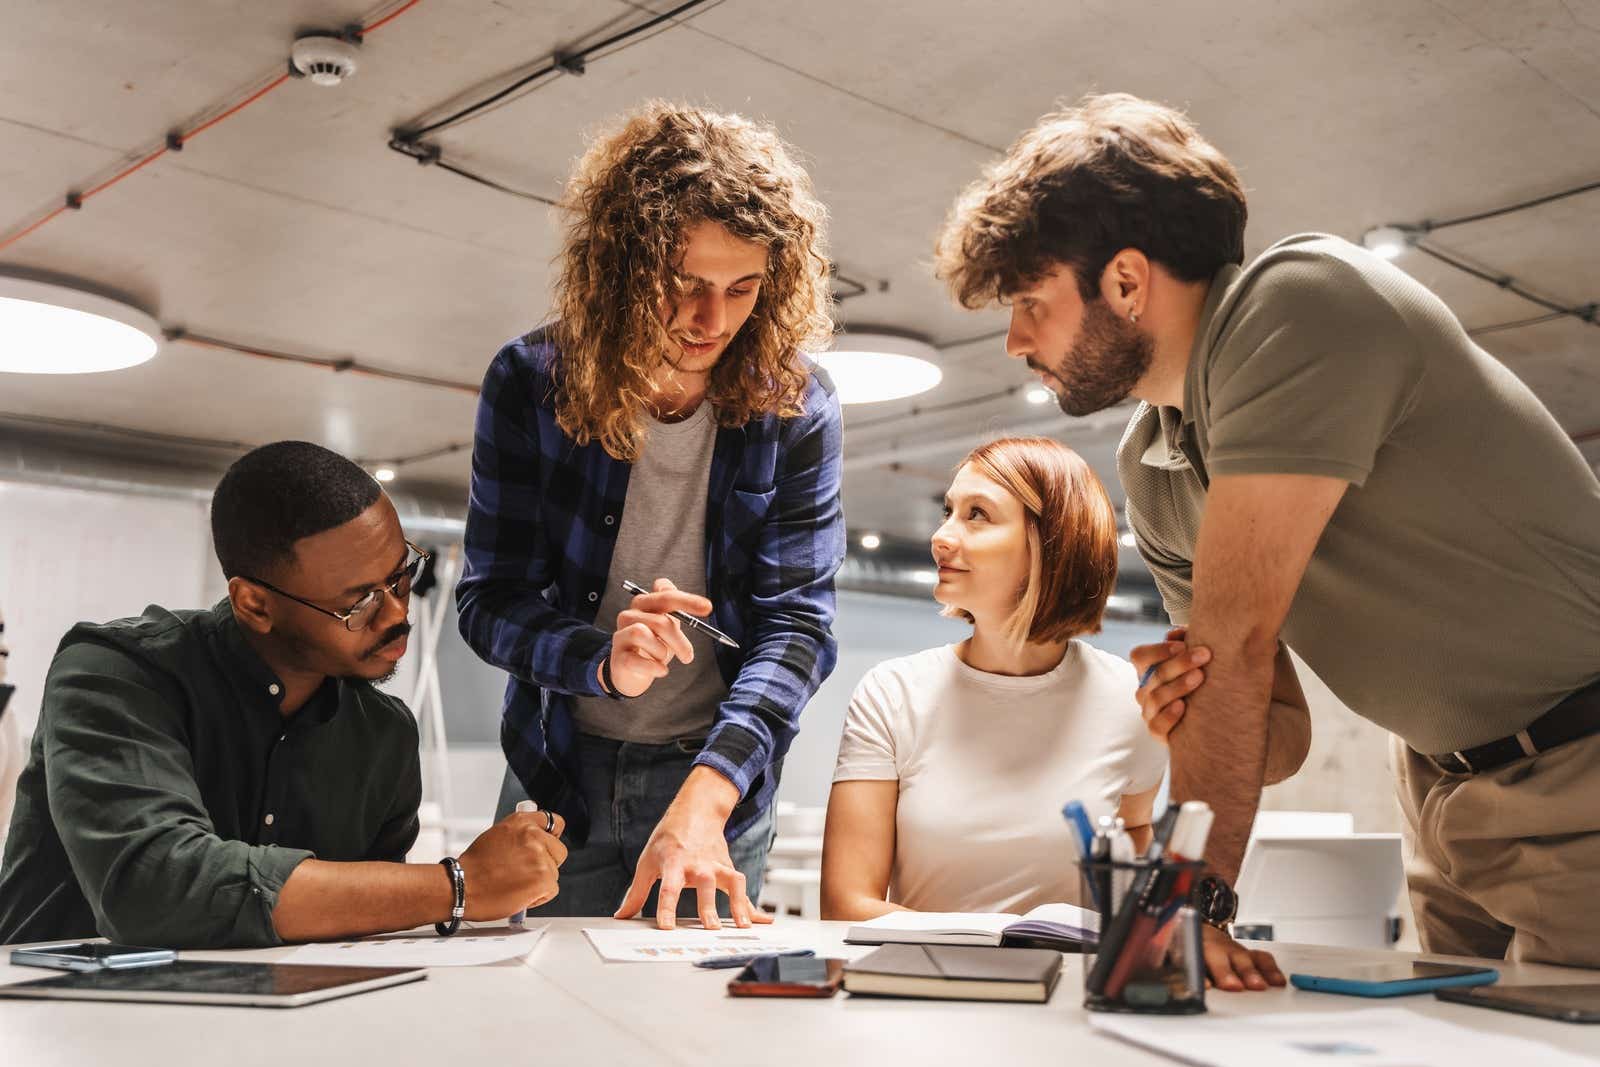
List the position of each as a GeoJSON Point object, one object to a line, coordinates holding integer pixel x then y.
{"type": "Point", "coordinates": [1455, 594]}
{"type": "Point", "coordinates": [167, 799]}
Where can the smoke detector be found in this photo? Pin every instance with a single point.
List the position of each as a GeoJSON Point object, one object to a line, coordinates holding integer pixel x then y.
{"type": "Point", "coordinates": [325, 59]}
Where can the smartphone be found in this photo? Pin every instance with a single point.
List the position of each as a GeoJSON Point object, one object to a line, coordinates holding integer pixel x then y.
{"type": "Point", "coordinates": [91, 956]}
{"type": "Point", "coordinates": [1568, 1003]}
{"type": "Point", "coordinates": [788, 976]}
{"type": "Point", "coordinates": [1393, 979]}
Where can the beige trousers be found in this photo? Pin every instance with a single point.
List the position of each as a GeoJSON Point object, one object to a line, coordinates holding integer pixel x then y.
{"type": "Point", "coordinates": [1506, 864]}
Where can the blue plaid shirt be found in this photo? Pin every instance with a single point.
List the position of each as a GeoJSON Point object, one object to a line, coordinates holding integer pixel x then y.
{"type": "Point", "coordinates": [542, 522]}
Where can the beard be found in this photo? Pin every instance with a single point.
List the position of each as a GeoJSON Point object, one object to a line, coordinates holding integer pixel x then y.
{"type": "Point", "coordinates": [1105, 362]}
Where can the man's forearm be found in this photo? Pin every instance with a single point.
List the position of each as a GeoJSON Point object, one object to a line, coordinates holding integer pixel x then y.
{"type": "Point", "coordinates": [323, 901]}
{"type": "Point", "coordinates": [1219, 749]}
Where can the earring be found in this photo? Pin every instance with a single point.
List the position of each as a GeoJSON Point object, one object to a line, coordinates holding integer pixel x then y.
{"type": "Point", "coordinates": [1133, 317]}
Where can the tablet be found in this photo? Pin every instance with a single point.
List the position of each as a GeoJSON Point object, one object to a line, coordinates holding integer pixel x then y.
{"type": "Point", "coordinates": [1569, 1003]}
{"type": "Point", "coordinates": [259, 985]}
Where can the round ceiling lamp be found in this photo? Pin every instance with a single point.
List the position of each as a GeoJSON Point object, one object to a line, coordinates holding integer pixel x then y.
{"type": "Point", "coordinates": [47, 328]}
{"type": "Point", "coordinates": [870, 367]}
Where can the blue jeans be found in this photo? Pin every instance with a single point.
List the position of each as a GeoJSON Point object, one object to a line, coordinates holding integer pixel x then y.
{"type": "Point", "coordinates": [628, 787]}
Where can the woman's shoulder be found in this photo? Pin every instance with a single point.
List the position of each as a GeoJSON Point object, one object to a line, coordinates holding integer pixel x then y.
{"type": "Point", "coordinates": [907, 677]}
{"type": "Point", "coordinates": [1103, 666]}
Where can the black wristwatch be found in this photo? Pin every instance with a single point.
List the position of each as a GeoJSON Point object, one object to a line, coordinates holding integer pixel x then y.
{"type": "Point", "coordinates": [1215, 901]}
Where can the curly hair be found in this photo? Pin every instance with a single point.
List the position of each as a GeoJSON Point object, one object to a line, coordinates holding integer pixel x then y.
{"type": "Point", "coordinates": [1086, 182]}
{"type": "Point", "coordinates": [629, 203]}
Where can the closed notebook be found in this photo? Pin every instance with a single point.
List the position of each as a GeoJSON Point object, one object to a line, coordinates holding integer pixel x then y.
{"type": "Point", "coordinates": [956, 972]}
{"type": "Point", "coordinates": [1063, 927]}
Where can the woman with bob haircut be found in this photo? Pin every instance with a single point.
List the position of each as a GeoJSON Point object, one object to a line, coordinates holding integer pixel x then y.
{"type": "Point", "coordinates": [955, 761]}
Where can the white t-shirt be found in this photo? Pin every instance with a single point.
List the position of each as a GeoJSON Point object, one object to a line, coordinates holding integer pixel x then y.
{"type": "Point", "coordinates": [985, 763]}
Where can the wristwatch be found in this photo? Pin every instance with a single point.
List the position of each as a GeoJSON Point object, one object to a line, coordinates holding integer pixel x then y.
{"type": "Point", "coordinates": [1215, 901]}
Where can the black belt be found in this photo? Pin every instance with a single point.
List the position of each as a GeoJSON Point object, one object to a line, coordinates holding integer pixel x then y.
{"type": "Point", "coordinates": [1575, 717]}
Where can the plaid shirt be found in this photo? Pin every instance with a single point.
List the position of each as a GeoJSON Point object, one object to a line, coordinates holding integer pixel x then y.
{"type": "Point", "coordinates": [542, 522]}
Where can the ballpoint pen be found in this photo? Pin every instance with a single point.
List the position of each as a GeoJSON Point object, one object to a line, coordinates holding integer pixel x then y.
{"type": "Point", "coordinates": [684, 617]}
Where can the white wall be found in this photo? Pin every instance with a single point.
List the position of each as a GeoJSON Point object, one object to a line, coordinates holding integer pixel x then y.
{"type": "Point", "coordinates": [70, 555]}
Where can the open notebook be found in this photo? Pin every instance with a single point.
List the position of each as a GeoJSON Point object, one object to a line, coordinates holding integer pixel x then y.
{"type": "Point", "coordinates": [1060, 926]}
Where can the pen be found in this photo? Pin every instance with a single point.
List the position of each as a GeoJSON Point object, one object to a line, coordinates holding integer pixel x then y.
{"type": "Point", "coordinates": [1078, 819]}
{"type": "Point", "coordinates": [684, 617]}
{"type": "Point", "coordinates": [519, 917]}
{"type": "Point", "coordinates": [718, 963]}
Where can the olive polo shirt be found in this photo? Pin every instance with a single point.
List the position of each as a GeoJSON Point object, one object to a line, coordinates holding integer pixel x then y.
{"type": "Point", "coordinates": [167, 799]}
{"type": "Point", "coordinates": [1455, 594]}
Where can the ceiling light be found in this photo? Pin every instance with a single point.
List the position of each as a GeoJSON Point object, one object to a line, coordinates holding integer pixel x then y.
{"type": "Point", "coordinates": [870, 541]}
{"type": "Point", "coordinates": [384, 474]}
{"type": "Point", "coordinates": [54, 329]}
{"type": "Point", "coordinates": [925, 577]}
{"type": "Point", "coordinates": [1128, 540]}
{"type": "Point", "coordinates": [1386, 241]}
{"type": "Point", "coordinates": [1038, 394]}
{"type": "Point", "coordinates": [869, 367]}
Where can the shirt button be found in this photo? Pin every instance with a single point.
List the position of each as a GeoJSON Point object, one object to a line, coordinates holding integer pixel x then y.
{"type": "Point", "coordinates": [593, 597]}
{"type": "Point", "coordinates": [268, 819]}
{"type": "Point", "coordinates": [611, 520]}
{"type": "Point", "coordinates": [273, 689]}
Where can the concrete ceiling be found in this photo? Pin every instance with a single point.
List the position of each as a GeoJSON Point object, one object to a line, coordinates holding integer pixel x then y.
{"type": "Point", "coordinates": [292, 227]}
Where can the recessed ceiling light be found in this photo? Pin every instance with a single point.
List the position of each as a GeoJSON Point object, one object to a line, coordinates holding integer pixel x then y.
{"type": "Point", "coordinates": [1038, 394]}
{"type": "Point", "coordinates": [1386, 241]}
{"type": "Point", "coordinates": [870, 541]}
{"type": "Point", "coordinates": [54, 329]}
{"type": "Point", "coordinates": [869, 367]}
{"type": "Point", "coordinates": [1128, 540]}
{"type": "Point", "coordinates": [384, 474]}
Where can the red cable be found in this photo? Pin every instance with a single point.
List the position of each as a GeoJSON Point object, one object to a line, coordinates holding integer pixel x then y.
{"type": "Point", "coordinates": [184, 138]}
{"type": "Point", "coordinates": [391, 16]}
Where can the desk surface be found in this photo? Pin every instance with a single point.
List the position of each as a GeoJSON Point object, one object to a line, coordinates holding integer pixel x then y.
{"type": "Point", "coordinates": [565, 1006]}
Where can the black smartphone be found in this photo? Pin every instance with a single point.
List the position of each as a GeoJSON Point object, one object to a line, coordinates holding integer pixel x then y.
{"type": "Point", "coordinates": [788, 976]}
{"type": "Point", "coordinates": [91, 956]}
{"type": "Point", "coordinates": [1568, 1003]}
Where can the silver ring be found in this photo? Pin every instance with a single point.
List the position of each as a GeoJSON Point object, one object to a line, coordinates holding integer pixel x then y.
{"type": "Point", "coordinates": [549, 821]}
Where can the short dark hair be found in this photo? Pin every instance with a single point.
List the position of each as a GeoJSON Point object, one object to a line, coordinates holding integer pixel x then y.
{"type": "Point", "coordinates": [279, 493]}
{"type": "Point", "coordinates": [1115, 172]}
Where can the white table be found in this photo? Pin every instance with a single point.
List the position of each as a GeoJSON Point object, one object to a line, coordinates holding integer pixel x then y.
{"type": "Point", "coordinates": [565, 1007]}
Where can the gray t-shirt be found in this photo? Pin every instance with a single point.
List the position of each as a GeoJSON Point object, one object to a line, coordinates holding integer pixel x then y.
{"type": "Point", "coordinates": [663, 535]}
{"type": "Point", "coordinates": [1455, 595]}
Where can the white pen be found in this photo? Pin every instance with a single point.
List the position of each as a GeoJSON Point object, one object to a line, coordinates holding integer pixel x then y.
{"type": "Point", "coordinates": [517, 918]}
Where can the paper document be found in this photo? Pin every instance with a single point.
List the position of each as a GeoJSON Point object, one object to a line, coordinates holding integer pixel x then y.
{"type": "Point", "coordinates": [468, 948]}
{"type": "Point", "coordinates": [1373, 1037]}
{"type": "Point", "coordinates": [646, 944]}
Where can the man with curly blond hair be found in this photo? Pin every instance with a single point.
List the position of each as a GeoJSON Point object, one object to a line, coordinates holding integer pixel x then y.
{"type": "Point", "coordinates": [665, 428]}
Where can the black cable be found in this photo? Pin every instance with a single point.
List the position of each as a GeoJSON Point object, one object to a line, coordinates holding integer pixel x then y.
{"type": "Point", "coordinates": [1515, 324]}
{"type": "Point", "coordinates": [563, 63]}
{"type": "Point", "coordinates": [916, 412]}
{"type": "Point", "coordinates": [1585, 312]}
{"type": "Point", "coordinates": [1428, 225]}
{"type": "Point", "coordinates": [481, 180]}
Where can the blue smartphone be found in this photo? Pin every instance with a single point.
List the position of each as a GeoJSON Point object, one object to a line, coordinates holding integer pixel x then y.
{"type": "Point", "coordinates": [1398, 979]}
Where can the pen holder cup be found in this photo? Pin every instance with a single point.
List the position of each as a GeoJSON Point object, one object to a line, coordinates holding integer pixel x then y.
{"type": "Point", "coordinates": [1148, 958]}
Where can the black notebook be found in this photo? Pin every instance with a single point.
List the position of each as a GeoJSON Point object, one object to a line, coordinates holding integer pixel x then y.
{"type": "Point", "coordinates": [956, 972]}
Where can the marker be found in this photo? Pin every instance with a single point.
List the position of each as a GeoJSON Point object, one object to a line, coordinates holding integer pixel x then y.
{"type": "Point", "coordinates": [517, 918]}
{"type": "Point", "coordinates": [684, 617]}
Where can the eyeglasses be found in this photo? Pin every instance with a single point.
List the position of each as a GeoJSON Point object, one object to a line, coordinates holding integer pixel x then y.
{"type": "Point", "coordinates": [359, 616]}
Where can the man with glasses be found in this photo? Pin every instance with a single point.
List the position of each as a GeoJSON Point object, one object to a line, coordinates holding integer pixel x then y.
{"type": "Point", "coordinates": [231, 777]}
